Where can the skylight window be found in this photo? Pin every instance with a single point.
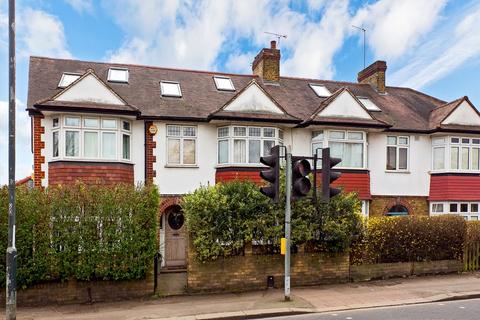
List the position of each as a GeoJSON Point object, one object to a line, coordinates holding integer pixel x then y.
{"type": "Point", "coordinates": [118, 75]}
{"type": "Point", "coordinates": [224, 83]}
{"type": "Point", "coordinates": [67, 79]}
{"type": "Point", "coordinates": [170, 89]}
{"type": "Point", "coordinates": [320, 90]}
{"type": "Point", "coordinates": [369, 104]}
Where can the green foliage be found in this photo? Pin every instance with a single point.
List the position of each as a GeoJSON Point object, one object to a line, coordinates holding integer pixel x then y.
{"type": "Point", "coordinates": [473, 232]}
{"type": "Point", "coordinates": [412, 238]}
{"type": "Point", "coordinates": [82, 232]}
{"type": "Point", "coordinates": [224, 217]}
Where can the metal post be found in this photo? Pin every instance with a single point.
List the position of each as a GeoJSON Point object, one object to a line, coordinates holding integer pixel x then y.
{"type": "Point", "coordinates": [11, 285]}
{"type": "Point", "coordinates": [288, 190]}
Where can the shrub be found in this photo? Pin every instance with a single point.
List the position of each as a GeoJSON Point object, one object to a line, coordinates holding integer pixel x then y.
{"type": "Point", "coordinates": [473, 232]}
{"type": "Point", "coordinates": [82, 232]}
{"type": "Point", "coordinates": [405, 239]}
{"type": "Point", "coordinates": [224, 217]}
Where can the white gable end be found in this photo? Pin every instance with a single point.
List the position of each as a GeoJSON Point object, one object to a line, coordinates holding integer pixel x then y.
{"type": "Point", "coordinates": [253, 100]}
{"type": "Point", "coordinates": [464, 115]}
{"type": "Point", "coordinates": [344, 106]}
{"type": "Point", "coordinates": [89, 89]}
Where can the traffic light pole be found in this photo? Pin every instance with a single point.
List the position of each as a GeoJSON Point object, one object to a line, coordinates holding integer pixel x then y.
{"type": "Point", "coordinates": [288, 190]}
{"type": "Point", "coordinates": [11, 285]}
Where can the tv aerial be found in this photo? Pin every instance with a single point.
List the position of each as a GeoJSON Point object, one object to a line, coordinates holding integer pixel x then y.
{"type": "Point", "coordinates": [278, 35]}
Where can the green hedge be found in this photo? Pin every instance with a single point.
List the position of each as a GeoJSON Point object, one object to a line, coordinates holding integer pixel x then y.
{"type": "Point", "coordinates": [82, 232]}
{"type": "Point", "coordinates": [405, 239]}
{"type": "Point", "coordinates": [223, 218]}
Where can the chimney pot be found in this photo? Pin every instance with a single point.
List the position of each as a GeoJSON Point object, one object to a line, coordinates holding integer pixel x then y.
{"type": "Point", "coordinates": [273, 44]}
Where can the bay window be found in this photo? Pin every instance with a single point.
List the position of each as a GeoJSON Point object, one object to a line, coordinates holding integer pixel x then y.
{"type": "Point", "coordinates": [468, 210]}
{"type": "Point", "coordinates": [456, 153]}
{"type": "Point", "coordinates": [245, 145]}
{"type": "Point", "coordinates": [347, 145]}
{"type": "Point", "coordinates": [397, 153]}
{"type": "Point", "coordinates": [181, 145]}
{"type": "Point", "coordinates": [90, 138]}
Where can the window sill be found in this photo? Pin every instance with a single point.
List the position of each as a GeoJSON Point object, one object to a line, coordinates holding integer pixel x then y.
{"type": "Point", "coordinates": [73, 159]}
{"type": "Point", "coordinates": [398, 171]}
{"type": "Point", "coordinates": [181, 166]}
{"type": "Point", "coordinates": [240, 165]}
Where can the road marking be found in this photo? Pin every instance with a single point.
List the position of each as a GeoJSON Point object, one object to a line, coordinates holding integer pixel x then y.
{"type": "Point", "coordinates": [462, 307]}
{"type": "Point", "coordinates": [349, 318]}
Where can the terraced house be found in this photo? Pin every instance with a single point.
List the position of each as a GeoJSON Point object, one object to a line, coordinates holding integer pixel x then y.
{"type": "Point", "coordinates": [403, 151]}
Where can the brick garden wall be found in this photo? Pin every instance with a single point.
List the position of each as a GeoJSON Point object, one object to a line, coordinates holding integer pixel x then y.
{"type": "Point", "coordinates": [82, 292]}
{"type": "Point", "coordinates": [381, 204]}
{"type": "Point", "coordinates": [250, 272]}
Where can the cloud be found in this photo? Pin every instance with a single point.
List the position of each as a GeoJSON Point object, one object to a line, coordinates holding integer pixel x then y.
{"type": "Point", "coordinates": [451, 46]}
{"type": "Point", "coordinates": [187, 34]}
{"type": "Point", "coordinates": [23, 153]}
{"type": "Point", "coordinates": [81, 6]}
{"type": "Point", "coordinates": [40, 33]}
{"type": "Point", "coordinates": [394, 27]}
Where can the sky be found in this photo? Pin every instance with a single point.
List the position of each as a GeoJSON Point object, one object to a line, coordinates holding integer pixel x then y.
{"type": "Point", "coordinates": [429, 45]}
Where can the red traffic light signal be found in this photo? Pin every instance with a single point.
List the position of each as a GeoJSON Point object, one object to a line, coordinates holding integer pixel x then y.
{"type": "Point", "coordinates": [272, 175]}
{"type": "Point", "coordinates": [301, 184]}
{"type": "Point", "coordinates": [329, 175]}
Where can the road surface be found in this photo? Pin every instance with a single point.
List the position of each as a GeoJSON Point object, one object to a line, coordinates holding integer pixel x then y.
{"type": "Point", "coordinates": [451, 310]}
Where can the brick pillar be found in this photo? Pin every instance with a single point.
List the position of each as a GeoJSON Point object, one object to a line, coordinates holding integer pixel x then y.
{"type": "Point", "coordinates": [150, 158]}
{"type": "Point", "coordinates": [38, 146]}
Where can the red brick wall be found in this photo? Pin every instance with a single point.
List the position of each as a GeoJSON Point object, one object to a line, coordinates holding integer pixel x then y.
{"type": "Point", "coordinates": [229, 174]}
{"type": "Point", "coordinates": [38, 146]}
{"type": "Point", "coordinates": [68, 172]}
{"type": "Point", "coordinates": [454, 187]}
{"type": "Point", "coordinates": [150, 145]}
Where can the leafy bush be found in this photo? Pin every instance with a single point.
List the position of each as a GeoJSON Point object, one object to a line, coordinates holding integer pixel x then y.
{"type": "Point", "coordinates": [92, 232]}
{"type": "Point", "coordinates": [405, 239]}
{"type": "Point", "coordinates": [224, 217]}
{"type": "Point", "coordinates": [473, 232]}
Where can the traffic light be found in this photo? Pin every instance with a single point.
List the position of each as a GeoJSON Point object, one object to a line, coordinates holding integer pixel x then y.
{"type": "Point", "coordinates": [329, 175]}
{"type": "Point", "coordinates": [271, 175]}
{"type": "Point", "coordinates": [301, 185]}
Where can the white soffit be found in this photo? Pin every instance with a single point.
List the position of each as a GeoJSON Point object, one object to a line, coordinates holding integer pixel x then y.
{"type": "Point", "coordinates": [463, 115]}
{"type": "Point", "coordinates": [89, 89]}
{"type": "Point", "coordinates": [344, 106]}
{"type": "Point", "coordinates": [253, 99]}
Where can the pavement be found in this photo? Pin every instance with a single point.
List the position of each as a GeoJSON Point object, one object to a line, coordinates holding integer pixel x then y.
{"type": "Point", "coordinates": [258, 304]}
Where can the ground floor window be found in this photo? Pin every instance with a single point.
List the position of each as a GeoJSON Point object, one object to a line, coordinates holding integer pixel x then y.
{"type": "Point", "coordinates": [397, 210]}
{"type": "Point", "coordinates": [466, 209]}
{"type": "Point", "coordinates": [365, 208]}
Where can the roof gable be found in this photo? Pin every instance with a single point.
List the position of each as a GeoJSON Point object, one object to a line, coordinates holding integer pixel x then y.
{"type": "Point", "coordinates": [463, 114]}
{"type": "Point", "coordinates": [344, 105]}
{"type": "Point", "coordinates": [253, 99]}
{"type": "Point", "coordinates": [89, 88]}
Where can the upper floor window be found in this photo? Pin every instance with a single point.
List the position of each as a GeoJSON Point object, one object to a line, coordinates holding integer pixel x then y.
{"type": "Point", "coordinates": [92, 138]}
{"type": "Point", "coordinates": [245, 145]}
{"type": "Point", "coordinates": [346, 145]}
{"type": "Point", "coordinates": [67, 79]}
{"type": "Point", "coordinates": [397, 153]}
{"type": "Point", "coordinates": [170, 89]}
{"type": "Point", "coordinates": [456, 153]}
{"type": "Point", "coordinates": [224, 83]}
{"type": "Point", "coordinates": [118, 75]}
{"type": "Point", "coordinates": [181, 145]}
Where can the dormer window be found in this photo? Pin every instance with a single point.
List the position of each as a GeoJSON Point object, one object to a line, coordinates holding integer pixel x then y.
{"type": "Point", "coordinates": [67, 79]}
{"type": "Point", "coordinates": [118, 75]}
{"type": "Point", "coordinates": [367, 103]}
{"type": "Point", "coordinates": [170, 89]}
{"type": "Point", "coordinates": [320, 90]}
{"type": "Point", "coordinates": [224, 83]}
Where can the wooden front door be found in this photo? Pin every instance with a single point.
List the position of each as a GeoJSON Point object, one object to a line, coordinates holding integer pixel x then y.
{"type": "Point", "coordinates": [175, 238]}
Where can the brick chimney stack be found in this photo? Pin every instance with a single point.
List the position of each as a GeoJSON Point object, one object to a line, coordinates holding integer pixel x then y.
{"type": "Point", "coordinates": [266, 64]}
{"type": "Point", "coordinates": [374, 75]}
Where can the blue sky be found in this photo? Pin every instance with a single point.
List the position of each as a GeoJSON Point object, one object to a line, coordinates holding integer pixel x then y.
{"type": "Point", "coordinates": [430, 45]}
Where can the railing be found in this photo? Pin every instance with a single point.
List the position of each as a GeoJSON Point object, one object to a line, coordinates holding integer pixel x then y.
{"type": "Point", "coordinates": [471, 257]}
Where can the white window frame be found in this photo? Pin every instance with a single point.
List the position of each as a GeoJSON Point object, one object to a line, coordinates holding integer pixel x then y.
{"type": "Point", "coordinates": [326, 144]}
{"type": "Point", "coordinates": [62, 128]}
{"type": "Point", "coordinates": [313, 85]}
{"type": "Point", "coordinates": [231, 137]}
{"type": "Point", "coordinates": [62, 86]}
{"type": "Point", "coordinates": [448, 145]}
{"type": "Point", "coordinates": [127, 75]}
{"type": "Point", "coordinates": [468, 215]}
{"type": "Point", "coordinates": [397, 147]}
{"type": "Point", "coordinates": [181, 137]}
{"type": "Point", "coordinates": [162, 83]}
{"type": "Point", "coordinates": [58, 132]}
{"type": "Point", "coordinates": [219, 88]}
